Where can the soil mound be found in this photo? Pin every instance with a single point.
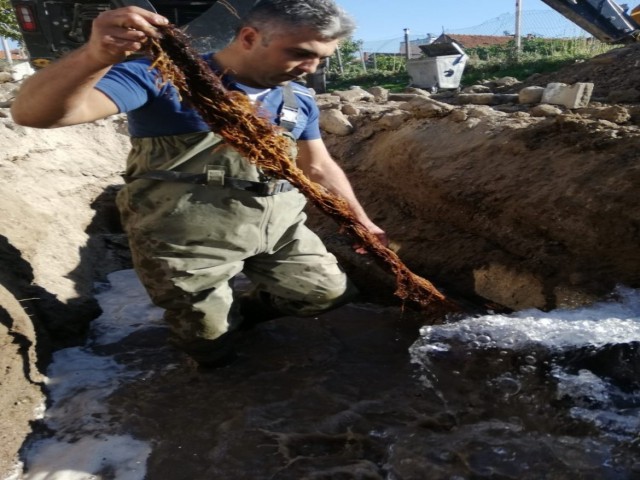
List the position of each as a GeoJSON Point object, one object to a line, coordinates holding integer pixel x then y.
{"type": "Point", "coordinates": [611, 73]}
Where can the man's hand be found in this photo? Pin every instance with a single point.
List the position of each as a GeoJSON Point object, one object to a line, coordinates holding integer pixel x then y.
{"type": "Point", "coordinates": [118, 33]}
{"type": "Point", "coordinates": [375, 230]}
{"type": "Point", "coordinates": [63, 93]}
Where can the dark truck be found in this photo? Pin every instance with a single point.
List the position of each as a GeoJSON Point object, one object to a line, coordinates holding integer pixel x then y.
{"type": "Point", "coordinates": [51, 28]}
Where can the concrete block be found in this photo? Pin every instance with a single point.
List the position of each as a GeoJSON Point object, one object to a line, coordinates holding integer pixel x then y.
{"type": "Point", "coordinates": [577, 95]}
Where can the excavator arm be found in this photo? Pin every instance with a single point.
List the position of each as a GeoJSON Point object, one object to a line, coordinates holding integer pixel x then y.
{"type": "Point", "coordinates": [606, 20]}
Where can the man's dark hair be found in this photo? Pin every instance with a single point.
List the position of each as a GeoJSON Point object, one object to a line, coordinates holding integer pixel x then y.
{"type": "Point", "coordinates": [323, 16]}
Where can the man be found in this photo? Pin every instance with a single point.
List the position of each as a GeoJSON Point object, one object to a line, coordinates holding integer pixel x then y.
{"type": "Point", "coordinates": [190, 236]}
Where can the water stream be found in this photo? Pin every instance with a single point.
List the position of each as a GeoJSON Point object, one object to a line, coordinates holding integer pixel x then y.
{"type": "Point", "coordinates": [365, 392]}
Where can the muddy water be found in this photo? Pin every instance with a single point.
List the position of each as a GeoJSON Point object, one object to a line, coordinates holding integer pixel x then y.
{"type": "Point", "coordinates": [361, 393]}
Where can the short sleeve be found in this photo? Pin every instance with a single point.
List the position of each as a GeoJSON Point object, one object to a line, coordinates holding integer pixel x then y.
{"type": "Point", "coordinates": [129, 85]}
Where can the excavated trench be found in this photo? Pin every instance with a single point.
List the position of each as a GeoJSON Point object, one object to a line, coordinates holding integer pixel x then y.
{"type": "Point", "coordinates": [534, 213]}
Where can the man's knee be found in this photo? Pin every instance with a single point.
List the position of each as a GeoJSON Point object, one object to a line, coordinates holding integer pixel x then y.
{"type": "Point", "coordinates": [321, 300]}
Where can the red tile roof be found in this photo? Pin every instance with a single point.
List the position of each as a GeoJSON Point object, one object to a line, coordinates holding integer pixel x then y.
{"type": "Point", "coordinates": [15, 54]}
{"type": "Point", "coordinates": [472, 41]}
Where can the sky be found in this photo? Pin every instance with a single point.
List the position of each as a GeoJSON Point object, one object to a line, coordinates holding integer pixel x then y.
{"type": "Point", "coordinates": [381, 19]}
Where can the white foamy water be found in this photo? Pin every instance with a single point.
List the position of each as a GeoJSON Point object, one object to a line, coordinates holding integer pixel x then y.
{"type": "Point", "coordinates": [600, 324]}
{"type": "Point", "coordinates": [596, 399]}
{"type": "Point", "coordinates": [86, 445]}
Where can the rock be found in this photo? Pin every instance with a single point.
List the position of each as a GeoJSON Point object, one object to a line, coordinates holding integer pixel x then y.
{"type": "Point", "coordinates": [380, 94]}
{"type": "Point", "coordinates": [507, 82]}
{"type": "Point", "coordinates": [544, 110]}
{"type": "Point", "coordinates": [424, 107]}
{"type": "Point", "coordinates": [394, 119]}
{"type": "Point", "coordinates": [334, 121]}
{"type": "Point", "coordinates": [402, 97]}
{"type": "Point", "coordinates": [417, 91]}
{"type": "Point", "coordinates": [609, 126]}
{"type": "Point", "coordinates": [6, 77]}
{"type": "Point", "coordinates": [475, 98]}
{"type": "Point", "coordinates": [615, 114]}
{"type": "Point", "coordinates": [530, 95]}
{"type": "Point", "coordinates": [483, 111]}
{"type": "Point", "coordinates": [349, 109]}
{"type": "Point", "coordinates": [533, 77]}
{"type": "Point", "coordinates": [477, 89]}
{"type": "Point", "coordinates": [354, 94]}
{"type": "Point", "coordinates": [458, 115]}
{"type": "Point", "coordinates": [327, 101]}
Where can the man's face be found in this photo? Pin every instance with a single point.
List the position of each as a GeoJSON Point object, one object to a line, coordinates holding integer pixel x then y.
{"type": "Point", "coordinates": [282, 57]}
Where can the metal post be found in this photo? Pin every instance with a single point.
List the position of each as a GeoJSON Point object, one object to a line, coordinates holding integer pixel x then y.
{"type": "Point", "coordinates": [7, 51]}
{"type": "Point", "coordinates": [406, 44]}
{"type": "Point", "coordinates": [518, 35]}
{"type": "Point", "coordinates": [340, 66]}
{"type": "Point", "coordinates": [364, 63]}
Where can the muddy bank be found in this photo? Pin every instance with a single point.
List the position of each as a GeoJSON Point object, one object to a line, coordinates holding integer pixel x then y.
{"type": "Point", "coordinates": [524, 211]}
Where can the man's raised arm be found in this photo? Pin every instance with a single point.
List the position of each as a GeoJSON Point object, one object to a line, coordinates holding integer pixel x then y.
{"type": "Point", "coordinates": [62, 93]}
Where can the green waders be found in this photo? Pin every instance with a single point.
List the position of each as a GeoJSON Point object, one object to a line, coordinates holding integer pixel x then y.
{"type": "Point", "coordinates": [189, 241]}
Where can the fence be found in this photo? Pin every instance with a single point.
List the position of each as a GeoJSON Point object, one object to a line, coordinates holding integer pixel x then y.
{"type": "Point", "coordinates": [537, 23]}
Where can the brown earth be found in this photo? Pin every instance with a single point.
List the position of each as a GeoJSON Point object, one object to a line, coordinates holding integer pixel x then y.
{"type": "Point", "coordinates": [612, 73]}
{"type": "Point", "coordinates": [489, 203]}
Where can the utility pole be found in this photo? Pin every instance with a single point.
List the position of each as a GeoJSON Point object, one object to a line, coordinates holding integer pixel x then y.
{"type": "Point", "coordinates": [406, 44]}
{"type": "Point", "coordinates": [518, 35]}
{"type": "Point", "coordinates": [7, 51]}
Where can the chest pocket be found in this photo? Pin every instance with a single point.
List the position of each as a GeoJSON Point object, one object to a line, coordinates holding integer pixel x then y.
{"type": "Point", "coordinates": [203, 158]}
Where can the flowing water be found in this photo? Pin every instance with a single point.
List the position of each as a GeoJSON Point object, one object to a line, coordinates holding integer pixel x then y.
{"type": "Point", "coordinates": [365, 392]}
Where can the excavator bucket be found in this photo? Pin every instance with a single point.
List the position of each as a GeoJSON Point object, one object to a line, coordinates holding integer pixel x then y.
{"type": "Point", "coordinates": [606, 20]}
{"type": "Point", "coordinates": [635, 14]}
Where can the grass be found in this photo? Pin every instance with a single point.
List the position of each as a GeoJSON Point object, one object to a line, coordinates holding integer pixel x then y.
{"type": "Point", "coordinates": [485, 63]}
{"type": "Point", "coordinates": [537, 56]}
{"type": "Point", "coordinates": [394, 82]}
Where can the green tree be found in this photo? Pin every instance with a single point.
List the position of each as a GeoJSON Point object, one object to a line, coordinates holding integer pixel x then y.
{"type": "Point", "coordinates": [8, 23]}
{"type": "Point", "coordinates": [348, 52]}
{"type": "Point", "coordinates": [387, 63]}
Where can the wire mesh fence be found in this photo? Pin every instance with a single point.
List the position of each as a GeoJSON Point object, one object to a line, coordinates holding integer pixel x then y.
{"type": "Point", "coordinates": [534, 23]}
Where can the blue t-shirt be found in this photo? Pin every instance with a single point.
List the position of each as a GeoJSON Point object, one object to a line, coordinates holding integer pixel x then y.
{"type": "Point", "coordinates": [155, 110]}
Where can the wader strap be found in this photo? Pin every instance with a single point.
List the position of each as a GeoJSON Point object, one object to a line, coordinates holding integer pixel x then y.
{"type": "Point", "coordinates": [215, 177]}
{"type": "Point", "coordinates": [289, 113]}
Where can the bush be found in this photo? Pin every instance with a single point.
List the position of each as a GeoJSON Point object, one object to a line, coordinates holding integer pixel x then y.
{"type": "Point", "coordinates": [395, 82]}
{"type": "Point", "coordinates": [537, 55]}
